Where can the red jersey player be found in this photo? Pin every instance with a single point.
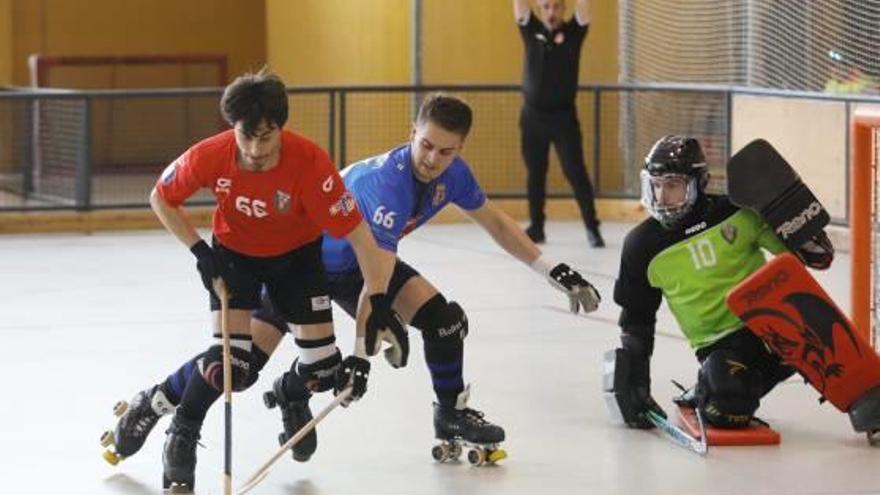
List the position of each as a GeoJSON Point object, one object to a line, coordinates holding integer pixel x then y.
{"type": "Point", "coordinates": [276, 192]}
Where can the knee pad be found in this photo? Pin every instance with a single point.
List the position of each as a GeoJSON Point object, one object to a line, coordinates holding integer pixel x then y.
{"type": "Point", "coordinates": [258, 360]}
{"type": "Point", "coordinates": [441, 321]}
{"type": "Point", "coordinates": [211, 367]}
{"type": "Point", "coordinates": [728, 390]}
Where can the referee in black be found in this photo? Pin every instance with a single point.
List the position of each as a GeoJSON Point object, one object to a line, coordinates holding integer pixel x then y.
{"type": "Point", "coordinates": [550, 77]}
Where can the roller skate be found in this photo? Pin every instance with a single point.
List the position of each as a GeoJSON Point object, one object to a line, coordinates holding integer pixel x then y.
{"type": "Point", "coordinates": [460, 426]}
{"type": "Point", "coordinates": [294, 414]}
{"type": "Point", "coordinates": [136, 420]}
{"type": "Point", "coordinates": [179, 456]}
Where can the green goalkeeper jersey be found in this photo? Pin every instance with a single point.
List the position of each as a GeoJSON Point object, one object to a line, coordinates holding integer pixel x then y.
{"type": "Point", "coordinates": [693, 267]}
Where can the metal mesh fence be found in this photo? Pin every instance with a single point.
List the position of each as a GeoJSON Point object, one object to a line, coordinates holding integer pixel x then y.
{"type": "Point", "coordinates": [646, 116]}
{"type": "Point", "coordinates": [14, 151]}
{"type": "Point", "coordinates": [782, 44]}
{"type": "Point", "coordinates": [103, 149]}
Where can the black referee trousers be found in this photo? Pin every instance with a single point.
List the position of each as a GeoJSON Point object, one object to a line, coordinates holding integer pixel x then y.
{"type": "Point", "coordinates": [563, 129]}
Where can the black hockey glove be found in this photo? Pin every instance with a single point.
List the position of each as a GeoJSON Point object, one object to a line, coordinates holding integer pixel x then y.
{"type": "Point", "coordinates": [210, 265]}
{"type": "Point", "coordinates": [581, 294]}
{"type": "Point", "coordinates": [354, 372]}
{"type": "Point", "coordinates": [384, 324]}
{"type": "Point", "coordinates": [640, 393]}
{"type": "Point", "coordinates": [818, 252]}
{"type": "Point", "coordinates": [627, 381]}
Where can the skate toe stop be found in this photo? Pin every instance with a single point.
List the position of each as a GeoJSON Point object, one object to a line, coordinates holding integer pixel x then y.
{"type": "Point", "coordinates": [497, 455]}
{"type": "Point", "coordinates": [110, 457]}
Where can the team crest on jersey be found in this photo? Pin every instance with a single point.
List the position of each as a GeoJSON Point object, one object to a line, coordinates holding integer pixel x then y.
{"type": "Point", "coordinates": [439, 194]}
{"type": "Point", "coordinates": [282, 201]}
{"type": "Point", "coordinates": [728, 232]}
{"type": "Point", "coordinates": [343, 206]}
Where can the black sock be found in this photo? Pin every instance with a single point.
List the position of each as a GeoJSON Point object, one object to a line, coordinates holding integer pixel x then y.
{"type": "Point", "coordinates": [445, 362]}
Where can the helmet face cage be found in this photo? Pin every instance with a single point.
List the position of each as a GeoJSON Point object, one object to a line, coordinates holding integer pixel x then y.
{"type": "Point", "coordinates": [668, 214]}
{"type": "Point", "coordinates": [672, 161]}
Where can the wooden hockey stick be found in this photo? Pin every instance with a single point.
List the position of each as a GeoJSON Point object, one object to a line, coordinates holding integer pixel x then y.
{"type": "Point", "coordinates": [220, 289]}
{"type": "Point", "coordinates": [679, 436]}
{"type": "Point", "coordinates": [261, 473]}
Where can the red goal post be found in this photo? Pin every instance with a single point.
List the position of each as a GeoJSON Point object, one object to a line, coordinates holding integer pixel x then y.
{"type": "Point", "coordinates": [863, 217]}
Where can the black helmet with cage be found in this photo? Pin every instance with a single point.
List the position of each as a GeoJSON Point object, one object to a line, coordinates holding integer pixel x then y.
{"type": "Point", "coordinates": [674, 178]}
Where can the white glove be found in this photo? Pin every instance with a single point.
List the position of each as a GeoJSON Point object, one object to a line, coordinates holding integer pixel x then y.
{"type": "Point", "coordinates": [581, 294]}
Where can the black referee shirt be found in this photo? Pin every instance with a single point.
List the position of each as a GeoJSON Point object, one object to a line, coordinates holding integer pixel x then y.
{"type": "Point", "coordinates": [550, 74]}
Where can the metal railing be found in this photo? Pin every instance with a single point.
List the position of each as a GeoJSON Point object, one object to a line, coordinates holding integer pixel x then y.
{"type": "Point", "coordinates": [85, 150]}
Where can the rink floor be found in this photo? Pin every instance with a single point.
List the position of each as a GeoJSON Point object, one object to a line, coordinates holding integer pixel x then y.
{"type": "Point", "coordinates": [86, 320]}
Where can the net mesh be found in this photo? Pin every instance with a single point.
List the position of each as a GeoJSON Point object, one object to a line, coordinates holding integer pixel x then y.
{"type": "Point", "coordinates": [783, 44]}
{"type": "Point", "coordinates": [831, 46]}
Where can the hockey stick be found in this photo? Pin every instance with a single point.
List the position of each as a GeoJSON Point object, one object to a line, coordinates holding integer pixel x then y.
{"type": "Point", "coordinates": [261, 473]}
{"type": "Point", "coordinates": [679, 436]}
{"type": "Point", "coordinates": [220, 289]}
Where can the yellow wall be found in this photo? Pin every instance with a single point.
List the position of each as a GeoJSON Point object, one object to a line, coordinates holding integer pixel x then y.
{"type": "Point", "coordinates": [5, 42]}
{"type": "Point", "coordinates": [343, 42]}
{"type": "Point", "coordinates": [336, 42]}
{"type": "Point", "coordinates": [478, 42]}
{"type": "Point", "coordinates": [232, 27]}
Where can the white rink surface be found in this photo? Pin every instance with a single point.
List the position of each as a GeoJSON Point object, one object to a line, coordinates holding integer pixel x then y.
{"type": "Point", "coordinates": [86, 320]}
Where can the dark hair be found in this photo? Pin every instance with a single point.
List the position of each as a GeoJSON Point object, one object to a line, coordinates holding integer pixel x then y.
{"type": "Point", "coordinates": [254, 98]}
{"type": "Point", "coordinates": [447, 111]}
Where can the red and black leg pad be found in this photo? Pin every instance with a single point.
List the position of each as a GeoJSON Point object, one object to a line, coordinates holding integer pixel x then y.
{"type": "Point", "coordinates": [785, 306]}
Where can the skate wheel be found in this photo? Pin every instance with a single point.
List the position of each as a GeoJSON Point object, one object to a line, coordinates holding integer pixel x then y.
{"type": "Point", "coordinates": [497, 455]}
{"type": "Point", "coordinates": [270, 400]}
{"type": "Point", "coordinates": [107, 439]}
{"type": "Point", "coordinates": [120, 408]}
{"type": "Point", "coordinates": [110, 457]}
{"type": "Point", "coordinates": [440, 453]}
{"type": "Point", "coordinates": [874, 438]}
{"type": "Point", "coordinates": [477, 457]}
{"type": "Point", "coordinates": [454, 451]}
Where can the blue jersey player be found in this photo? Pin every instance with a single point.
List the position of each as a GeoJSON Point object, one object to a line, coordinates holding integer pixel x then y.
{"type": "Point", "coordinates": [397, 192]}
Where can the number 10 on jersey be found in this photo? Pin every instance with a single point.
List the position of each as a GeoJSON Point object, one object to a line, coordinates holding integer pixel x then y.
{"type": "Point", "coordinates": [702, 253]}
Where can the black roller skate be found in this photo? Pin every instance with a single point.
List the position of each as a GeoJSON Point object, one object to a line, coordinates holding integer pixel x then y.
{"type": "Point", "coordinates": [136, 420]}
{"type": "Point", "coordinates": [462, 426]}
{"type": "Point", "coordinates": [179, 457]}
{"type": "Point", "coordinates": [294, 414]}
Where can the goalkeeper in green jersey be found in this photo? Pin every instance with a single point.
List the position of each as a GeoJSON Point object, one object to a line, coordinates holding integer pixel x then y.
{"type": "Point", "coordinates": [692, 251]}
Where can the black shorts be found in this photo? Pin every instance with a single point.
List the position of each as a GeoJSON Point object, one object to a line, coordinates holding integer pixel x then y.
{"type": "Point", "coordinates": [754, 353]}
{"type": "Point", "coordinates": [345, 288]}
{"type": "Point", "coordinates": [295, 283]}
